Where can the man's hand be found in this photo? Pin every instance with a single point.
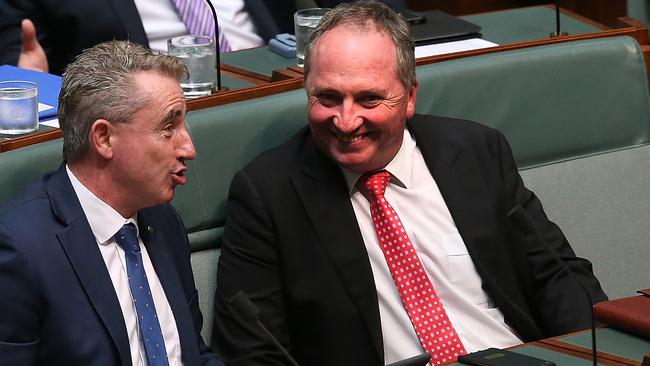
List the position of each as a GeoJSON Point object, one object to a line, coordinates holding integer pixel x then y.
{"type": "Point", "coordinates": [32, 56]}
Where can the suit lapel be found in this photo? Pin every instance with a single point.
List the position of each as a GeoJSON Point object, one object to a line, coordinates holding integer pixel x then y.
{"type": "Point", "coordinates": [462, 189]}
{"type": "Point", "coordinates": [323, 192]}
{"type": "Point", "coordinates": [159, 249]}
{"type": "Point", "coordinates": [78, 242]}
{"type": "Point", "coordinates": [129, 18]}
{"type": "Point", "coordinates": [455, 171]}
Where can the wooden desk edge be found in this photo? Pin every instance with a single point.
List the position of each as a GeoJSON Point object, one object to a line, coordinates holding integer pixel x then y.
{"type": "Point", "coordinates": [602, 356]}
{"type": "Point", "coordinates": [31, 139]}
{"type": "Point", "coordinates": [579, 353]}
{"type": "Point", "coordinates": [219, 98]}
{"type": "Point", "coordinates": [239, 95]}
{"type": "Point", "coordinates": [245, 74]}
{"type": "Point", "coordinates": [565, 351]}
{"type": "Point", "coordinates": [639, 34]}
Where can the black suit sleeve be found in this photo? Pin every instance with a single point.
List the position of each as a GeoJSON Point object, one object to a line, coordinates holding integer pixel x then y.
{"type": "Point", "coordinates": [271, 18]}
{"type": "Point", "coordinates": [65, 28]}
{"type": "Point", "coordinates": [249, 261]}
{"type": "Point", "coordinates": [558, 304]}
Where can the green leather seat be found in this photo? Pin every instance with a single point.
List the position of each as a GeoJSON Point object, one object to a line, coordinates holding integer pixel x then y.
{"type": "Point", "coordinates": [554, 102]}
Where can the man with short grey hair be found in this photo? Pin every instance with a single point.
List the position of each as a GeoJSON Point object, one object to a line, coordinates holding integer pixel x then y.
{"type": "Point", "coordinates": [377, 234]}
{"type": "Point", "coordinates": [94, 262]}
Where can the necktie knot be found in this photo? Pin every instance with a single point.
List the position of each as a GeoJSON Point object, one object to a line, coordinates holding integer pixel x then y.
{"type": "Point", "coordinates": [127, 238]}
{"type": "Point", "coordinates": [374, 184]}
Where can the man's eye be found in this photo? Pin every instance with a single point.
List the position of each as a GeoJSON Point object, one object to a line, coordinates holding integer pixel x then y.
{"type": "Point", "coordinates": [328, 100]}
{"type": "Point", "coordinates": [168, 130]}
{"type": "Point", "coordinates": [369, 101]}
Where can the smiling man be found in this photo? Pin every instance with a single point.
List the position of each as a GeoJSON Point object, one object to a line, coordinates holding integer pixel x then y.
{"type": "Point", "coordinates": [94, 262]}
{"type": "Point", "coordinates": [377, 234]}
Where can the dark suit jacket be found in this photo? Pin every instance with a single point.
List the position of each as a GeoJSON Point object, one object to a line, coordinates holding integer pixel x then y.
{"type": "Point", "coordinates": [292, 244]}
{"type": "Point", "coordinates": [271, 17]}
{"type": "Point", "coordinates": [275, 17]}
{"type": "Point", "coordinates": [58, 305]}
{"type": "Point", "coordinates": [65, 28]}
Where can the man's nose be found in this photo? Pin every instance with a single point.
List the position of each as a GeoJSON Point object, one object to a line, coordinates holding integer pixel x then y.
{"type": "Point", "coordinates": [185, 148]}
{"type": "Point", "coordinates": [348, 118]}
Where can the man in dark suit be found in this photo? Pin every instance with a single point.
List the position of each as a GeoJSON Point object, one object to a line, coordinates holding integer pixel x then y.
{"type": "Point", "coordinates": [65, 30]}
{"type": "Point", "coordinates": [94, 262]}
{"type": "Point", "coordinates": [271, 18]}
{"type": "Point", "coordinates": [345, 274]}
{"type": "Point", "coordinates": [47, 35]}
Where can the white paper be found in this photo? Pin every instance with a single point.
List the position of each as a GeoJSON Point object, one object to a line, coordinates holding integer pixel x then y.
{"type": "Point", "coordinates": [52, 123]}
{"type": "Point", "coordinates": [43, 107]}
{"type": "Point", "coordinates": [450, 47]}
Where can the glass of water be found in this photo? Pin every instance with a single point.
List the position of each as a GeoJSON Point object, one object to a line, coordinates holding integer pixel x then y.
{"type": "Point", "coordinates": [18, 107]}
{"type": "Point", "coordinates": [305, 22]}
{"type": "Point", "coordinates": [198, 53]}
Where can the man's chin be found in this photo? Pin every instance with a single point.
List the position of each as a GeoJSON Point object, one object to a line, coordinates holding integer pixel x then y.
{"type": "Point", "coordinates": [360, 161]}
{"type": "Point", "coordinates": [167, 197]}
{"type": "Point", "coordinates": [355, 166]}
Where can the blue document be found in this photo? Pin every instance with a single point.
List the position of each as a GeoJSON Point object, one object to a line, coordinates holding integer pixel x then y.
{"type": "Point", "coordinates": [48, 86]}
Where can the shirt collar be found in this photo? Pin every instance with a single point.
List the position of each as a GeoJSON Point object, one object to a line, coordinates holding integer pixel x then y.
{"type": "Point", "coordinates": [104, 221]}
{"type": "Point", "coordinates": [400, 167]}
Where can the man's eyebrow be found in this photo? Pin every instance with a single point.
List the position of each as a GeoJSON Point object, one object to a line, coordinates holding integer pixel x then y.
{"type": "Point", "coordinates": [372, 91]}
{"type": "Point", "coordinates": [170, 116]}
{"type": "Point", "coordinates": [325, 90]}
{"type": "Point", "coordinates": [360, 93]}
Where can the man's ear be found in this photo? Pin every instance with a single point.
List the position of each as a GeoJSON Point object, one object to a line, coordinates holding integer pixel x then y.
{"type": "Point", "coordinates": [412, 96]}
{"type": "Point", "coordinates": [100, 138]}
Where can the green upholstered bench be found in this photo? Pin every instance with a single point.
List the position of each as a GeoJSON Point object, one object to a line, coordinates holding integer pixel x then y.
{"type": "Point", "coordinates": [553, 103]}
{"type": "Point", "coordinates": [582, 145]}
{"type": "Point", "coordinates": [226, 138]}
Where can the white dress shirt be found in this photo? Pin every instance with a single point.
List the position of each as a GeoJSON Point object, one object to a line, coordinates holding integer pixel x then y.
{"type": "Point", "coordinates": [105, 222]}
{"type": "Point", "coordinates": [161, 22]}
{"type": "Point", "coordinates": [414, 195]}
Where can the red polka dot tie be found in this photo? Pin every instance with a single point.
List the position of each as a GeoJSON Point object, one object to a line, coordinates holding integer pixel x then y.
{"type": "Point", "coordinates": [436, 333]}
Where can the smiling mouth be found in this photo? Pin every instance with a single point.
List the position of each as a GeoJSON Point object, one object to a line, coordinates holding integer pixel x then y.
{"type": "Point", "coordinates": [349, 138]}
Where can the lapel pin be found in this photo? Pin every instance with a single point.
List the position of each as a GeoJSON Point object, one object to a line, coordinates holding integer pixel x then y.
{"type": "Point", "coordinates": [151, 230]}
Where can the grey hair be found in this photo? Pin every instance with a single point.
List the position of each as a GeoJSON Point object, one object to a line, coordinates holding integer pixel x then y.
{"type": "Point", "coordinates": [100, 84]}
{"type": "Point", "coordinates": [367, 15]}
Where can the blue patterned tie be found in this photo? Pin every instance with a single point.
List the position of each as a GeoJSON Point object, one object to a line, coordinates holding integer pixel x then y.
{"type": "Point", "coordinates": [199, 22]}
{"type": "Point", "coordinates": [150, 332]}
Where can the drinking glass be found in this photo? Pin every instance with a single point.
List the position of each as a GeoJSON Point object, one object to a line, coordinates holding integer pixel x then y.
{"type": "Point", "coordinates": [305, 22]}
{"type": "Point", "coordinates": [198, 53]}
{"type": "Point", "coordinates": [18, 107]}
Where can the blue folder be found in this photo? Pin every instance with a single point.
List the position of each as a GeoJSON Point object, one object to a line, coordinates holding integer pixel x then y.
{"type": "Point", "coordinates": [48, 86]}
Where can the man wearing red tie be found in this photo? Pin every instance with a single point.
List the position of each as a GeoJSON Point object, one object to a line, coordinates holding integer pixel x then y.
{"type": "Point", "coordinates": [377, 234]}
